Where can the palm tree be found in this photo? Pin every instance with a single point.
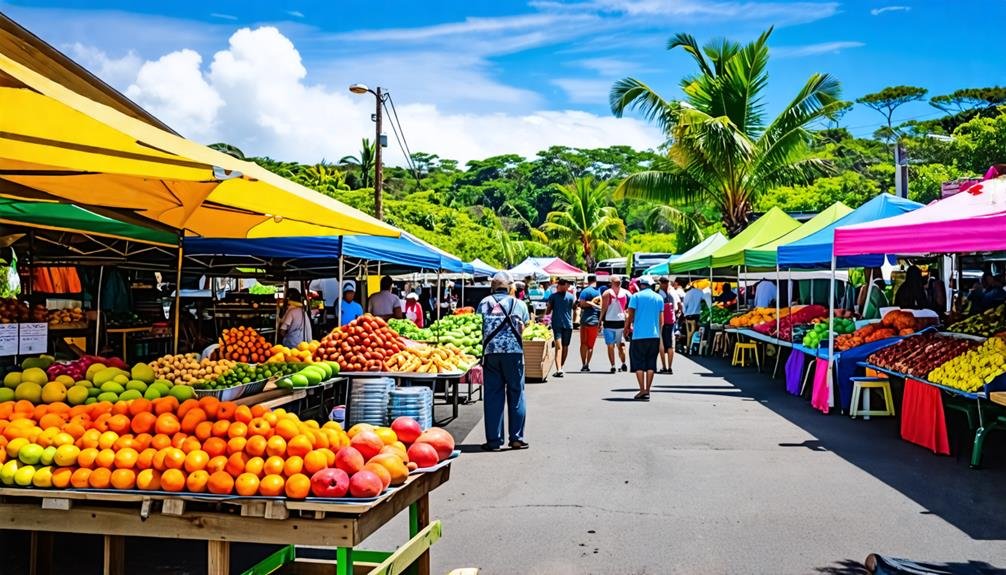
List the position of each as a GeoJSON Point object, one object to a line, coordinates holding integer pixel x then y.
{"type": "Point", "coordinates": [583, 223]}
{"type": "Point", "coordinates": [513, 251]}
{"type": "Point", "coordinates": [365, 161]}
{"type": "Point", "coordinates": [322, 177]}
{"type": "Point", "coordinates": [721, 149]}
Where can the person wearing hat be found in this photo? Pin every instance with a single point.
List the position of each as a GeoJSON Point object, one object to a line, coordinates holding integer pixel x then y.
{"type": "Point", "coordinates": [349, 309]}
{"type": "Point", "coordinates": [295, 326]}
{"type": "Point", "coordinates": [412, 310]}
{"type": "Point", "coordinates": [644, 321]}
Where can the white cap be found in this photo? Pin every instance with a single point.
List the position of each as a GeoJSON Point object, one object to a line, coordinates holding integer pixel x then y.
{"type": "Point", "coordinates": [349, 285]}
{"type": "Point", "coordinates": [501, 279]}
{"type": "Point", "coordinates": [412, 295]}
{"type": "Point", "coordinates": [645, 280]}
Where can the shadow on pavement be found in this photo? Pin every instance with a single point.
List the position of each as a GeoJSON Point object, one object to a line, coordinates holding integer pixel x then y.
{"type": "Point", "coordinates": [971, 500]}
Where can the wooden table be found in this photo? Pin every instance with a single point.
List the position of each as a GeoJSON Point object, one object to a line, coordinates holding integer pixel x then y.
{"type": "Point", "coordinates": [998, 397]}
{"type": "Point", "coordinates": [293, 524]}
{"type": "Point", "coordinates": [125, 331]}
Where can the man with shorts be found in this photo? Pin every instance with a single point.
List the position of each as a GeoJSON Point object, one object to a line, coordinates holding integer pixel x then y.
{"type": "Point", "coordinates": [590, 316]}
{"type": "Point", "coordinates": [672, 307]}
{"type": "Point", "coordinates": [560, 305]}
{"type": "Point", "coordinates": [614, 302]}
{"type": "Point", "coordinates": [644, 321]}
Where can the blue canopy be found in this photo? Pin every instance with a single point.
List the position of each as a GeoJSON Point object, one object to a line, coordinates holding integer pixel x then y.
{"type": "Point", "coordinates": [815, 250]}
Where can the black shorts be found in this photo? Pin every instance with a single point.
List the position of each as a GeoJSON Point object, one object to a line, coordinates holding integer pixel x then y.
{"type": "Point", "coordinates": [667, 335]}
{"type": "Point", "coordinates": [643, 354]}
{"type": "Point", "coordinates": [563, 335]}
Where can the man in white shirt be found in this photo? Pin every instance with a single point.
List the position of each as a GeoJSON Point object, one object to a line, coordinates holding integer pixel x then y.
{"type": "Point", "coordinates": [385, 304]}
{"type": "Point", "coordinates": [765, 293]}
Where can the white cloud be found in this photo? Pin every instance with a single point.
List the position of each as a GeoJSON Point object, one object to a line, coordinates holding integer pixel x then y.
{"type": "Point", "coordinates": [879, 11]}
{"type": "Point", "coordinates": [814, 49]}
{"type": "Point", "coordinates": [585, 90]}
{"type": "Point", "coordinates": [295, 13]}
{"type": "Point", "coordinates": [466, 27]}
{"type": "Point", "coordinates": [117, 72]}
{"type": "Point", "coordinates": [607, 66]}
{"type": "Point", "coordinates": [223, 16]}
{"type": "Point", "coordinates": [255, 95]}
{"type": "Point", "coordinates": [779, 12]}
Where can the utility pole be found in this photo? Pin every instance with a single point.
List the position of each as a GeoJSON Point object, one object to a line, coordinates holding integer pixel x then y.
{"type": "Point", "coordinates": [378, 168]}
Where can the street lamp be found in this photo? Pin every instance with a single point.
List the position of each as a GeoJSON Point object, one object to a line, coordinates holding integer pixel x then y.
{"type": "Point", "coordinates": [378, 169]}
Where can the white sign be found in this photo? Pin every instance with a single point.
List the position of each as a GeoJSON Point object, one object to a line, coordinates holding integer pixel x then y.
{"type": "Point", "coordinates": [8, 339]}
{"type": "Point", "coordinates": [34, 338]}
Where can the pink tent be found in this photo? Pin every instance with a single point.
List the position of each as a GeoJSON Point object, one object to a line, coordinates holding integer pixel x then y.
{"type": "Point", "coordinates": [971, 221]}
{"type": "Point", "coordinates": [545, 267]}
{"type": "Point", "coordinates": [558, 267]}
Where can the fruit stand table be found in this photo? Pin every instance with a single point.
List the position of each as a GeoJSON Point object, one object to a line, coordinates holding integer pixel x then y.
{"type": "Point", "coordinates": [221, 521]}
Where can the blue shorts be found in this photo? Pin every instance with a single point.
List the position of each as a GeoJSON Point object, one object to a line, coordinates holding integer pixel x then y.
{"type": "Point", "coordinates": [613, 336]}
{"type": "Point", "coordinates": [563, 335]}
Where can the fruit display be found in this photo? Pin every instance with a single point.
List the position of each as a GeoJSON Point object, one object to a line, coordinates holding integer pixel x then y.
{"type": "Point", "coordinates": [536, 332]}
{"type": "Point", "coordinates": [208, 447]}
{"type": "Point", "coordinates": [38, 314]}
{"type": "Point", "coordinates": [866, 334]}
{"type": "Point", "coordinates": [242, 373]}
{"type": "Point", "coordinates": [244, 344]}
{"type": "Point", "coordinates": [972, 370]}
{"type": "Point", "coordinates": [67, 318]}
{"type": "Point", "coordinates": [819, 333]}
{"type": "Point", "coordinates": [409, 330]}
{"type": "Point", "coordinates": [798, 316]}
{"type": "Point", "coordinates": [757, 316]}
{"type": "Point", "coordinates": [464, 331]}
{"type": "Point", "coordinates": [921, 354]}
{"type": "Point", "coordinates": [13, 311]}
{"type": "Point", "coordinates": [262, 289]}
{"type": "Point", "coordinates": [985, 324]}
{"type": "Point", "coordinates": [464, 310]}
{"type": "Point", "coordinates": [716, 314]}
{"type": "Point", "coordinates": [98, 383]}
{"type": "Point", "coordinates": [299, 375]}
{"type": "Point", "coordinates": [363, 344]}
{"type": "Point", "coordinates": [187, 369]}
{"type": "Point", "coordinates": [76, 369]}
{"type": "Point", "coordinates": [303, 353]}
{"type": "Point", "coordinates": [426, 359]}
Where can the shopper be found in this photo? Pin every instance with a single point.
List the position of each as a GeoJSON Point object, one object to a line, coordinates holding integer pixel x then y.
{"type": "Point", "coordinates": [765, 293]}
{"type": "Point", "coordinates": [644, 322]}
{"type": "Point", "coordinates": [385, 304]}
{"type": "Point", "coordinates": [503, 321]}
{"type": "Point", "coordinates": [560, 306]}
{"type": "Point", "coordinates": [349, 309]}
{"type": "Point", "coordinates": [912, 293]}
{"type": "Point", "coordinates": [614, 301]}
{"type": "Point", "coordinates": [295, 327]}
{"type": "Point", "coordinates": [590, 316]}
{"type": "Point", "coordinates": [672, 308]}
{"type": "Point", "coordinates": [412, 310]}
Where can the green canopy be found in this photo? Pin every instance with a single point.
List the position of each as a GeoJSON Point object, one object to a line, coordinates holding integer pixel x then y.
{"type": "Point", "coordinates": [699, 254]}
{"type": "Point", "coordinates": [765, 255]}
{"type": "Point", "coordinates": [771, 226]}
{"type": "Point", "coordinates": [71, 218]}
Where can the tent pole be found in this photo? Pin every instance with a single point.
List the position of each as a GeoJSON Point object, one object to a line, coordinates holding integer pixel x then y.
{"type": "Point", "coordinates": [831, 331]}
{"type": "Point", "coordinates": [97, 316]}
{"type": "Point", "coordinates": [178, 292]}
{"type": "Point", "coordinates": [439, 295]}
{"type": "Point", "coordinates": [777, 298]}
{"type": "Point", "coordinates": [338, 307]}
{"type": "Point", "coordinates": [789, 292]}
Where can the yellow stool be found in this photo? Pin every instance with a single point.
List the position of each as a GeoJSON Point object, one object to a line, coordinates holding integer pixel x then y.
{"type": "Point", "coordinates": [868, 383]}
{"type": "Point", "coordinates": [741, 354]}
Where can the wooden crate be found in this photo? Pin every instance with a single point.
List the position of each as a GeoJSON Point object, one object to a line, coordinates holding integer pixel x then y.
{"type": "Point", "coordinates": [538, 359]}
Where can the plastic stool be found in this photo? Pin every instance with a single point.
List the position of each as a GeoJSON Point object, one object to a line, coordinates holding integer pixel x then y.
{"type": "Point", "coordinates": [861, 383]}
{"type": "Point", "coordinates": [741, 354]}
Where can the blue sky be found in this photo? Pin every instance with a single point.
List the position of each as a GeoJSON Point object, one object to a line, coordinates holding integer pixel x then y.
{"type": "Point", "coordinates": [477, 78]}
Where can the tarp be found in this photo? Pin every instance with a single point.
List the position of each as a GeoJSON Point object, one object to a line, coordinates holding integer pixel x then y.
{"type": "Point", "coordinates": [774, 224]}
{"type": "Point", "coordinates": [765, 255]}
{"type": "Point", "coordinates": [815, 249]}
{"type": "Point", "coordinates": [480, 268]}
{"type": "Point", "coordinates": [699, 252]}
{"type": "Point", "coordinates": [70, 218]}
{"type": "Point", "coordinates": [542, 267]}
{"type": "Point", "coordinates": [970, 221]}
{"type": "Point", "coordinates": [661, 269]}
{"type": "Point", "coordinates": [90, 154]}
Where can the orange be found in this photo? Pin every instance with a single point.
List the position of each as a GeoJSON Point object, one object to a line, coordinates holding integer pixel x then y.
{"type": "Point", "coordinates": [243, 414]}
{"type": "Point", "coordinates": [149, 480]}
{"type": "Point", "coordinates": [314, 461]}
{"type": "Point", "coordinates": [75, 430]}
{"type": "Point", "coordinates": [220, 428]}
{"type": "Point", "coordinates": [123, 479]}
{"type": "Point", "coordinates": [178, 439]}
{"type": "Point", "coordinates": [61, 477]}
{"type": "Point", "coordinates": [24, 406]}
{"type": "Point", "coordinates": [123, 442]}
{"type": "Point", "coordinates": [107, 439]}
{"type": "Point", "coordinates": [271, 418]}
{"type": "Point", "coordinates": [329, 457]}
{"type": "Point", "coordinates": [186, 406]}
{"type": "Point", "coordinates": [119, 423]}
{"type": "Point", "coordinates": [143, 422]}
{"type": "Point", "coordinates": [259, 426]}
{"type": "Point", "coordinates": [101, 422]}
{"type": "Point", "coordinates": [160, 441]}
{"type": "Point", "coordinates": [255, 465]}
{"type": "Point", "coordinates": [120, 408]}
{"type": "Point", "coordinates": [79, 478]}
{"type": "Point", "coordinates": [319, 438]}
{"type": "Point", "coordinates": [191, 444]}
{"type": "Point", "coordinates": [39, 411]}
{"type": "Point", "coordinates": [298, 486]}
{"type": "Point", "coordinates": [215, 446]}
{"type": "Point", "coordinates": [225, 410]}
{"type": "Point", "coordinates": [167, 424]}
{"type": "Point", "coordinates": [209, 404]}
{"type": "Point", "coordinates": [216, 463]}
{"type": "Point", "coordinates": [138, 406]}
{"type": "Point", "coordinates": [196, 460]}
{"type": "Point", "coordinates": [142, 441]}
{"type": "Point", "coordinates": [196, 481]}
{"type": "Point", "coordinates": [256, 445]}
{"type": "Point", "coordinates": [258, 410]}
{"type": "Point", "coordinates": [167, 404]}
{"type": "Point", "coordinates": [286, 428]}
{"type": "Point", "coordinates": [293, 465]}
{"type": "Point", "coordinates": [276, 445]}
{"type": "Point", "coordinates": [236, 444]}
{"type": "Point", "coordinates": [126, 459]}
{"type": "Point", "coordinates": [220, 483]}
{"type": "Point", "coordinates": [51, 420]}
{"type": "Point", "coordinates": [173, 480]}
{"type": "Point", "coordinates": [174, 458]}
{"type": "Point", "coordinates": [299, 445]}
{"type": "Point", "coordinates": [105, 459]}
{"type": "Point", "coordinates": [204, 430]}
{"type": "Point", "coordinates": [236, 463]}
{"type": "Point", "coordinates": [246, 484]}
{"type": "Point", "coordinates": [192, 419]}
{"type": "Point", "coordinates": [100, 478]}
{"type": "Point", "coordinates": [87, 456]}
{"type": "Point", "coordinates": [271, 485]}
{"type": "Point", "coordinates": [274, 465]}
{"type": "Point", "coordinates": [237, 429]}
{"type": "Point", "coordinates": [145, 460]}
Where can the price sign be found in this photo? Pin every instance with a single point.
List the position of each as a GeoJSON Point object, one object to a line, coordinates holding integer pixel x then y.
{"type": "Point", "coordinates": [33, 338]}
{"type": "Point", "coordinates": [8, 339]}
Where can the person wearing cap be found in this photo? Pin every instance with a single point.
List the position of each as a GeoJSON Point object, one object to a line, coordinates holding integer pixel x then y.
{"type": "Point", "coordinates": [349, 309]}
{"type": "Point", "coordinates": [614, 301]}
{"type": "Point", "coordinates": [644, 322]}
{"type": "Point", "coordinates": [503, 321]}
{"type": "Point", "coordinates": [412, 310]}
{"type": "Point", "coordinates": [560, 305]}
{"type": "Point", "coordinates": [672, 307]}
{"type": "Point", "coordinates": [295, 327]}
{"type": "Point", "coordinates": [590, 319]}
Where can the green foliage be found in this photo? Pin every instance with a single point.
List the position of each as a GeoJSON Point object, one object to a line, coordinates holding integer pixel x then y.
{"type": "Point", "coordinates": [851, 188]}
{"type": "Point", "coordinates": [890, 99]}
{"type": "Point", "coordinates": [651, 243]}
{"type": "Point", "coordinates": [980, 143]}
{"type": "Point", "coordinates": [925, 181]}
{"type": "Point", "coordinates": [584, 228]}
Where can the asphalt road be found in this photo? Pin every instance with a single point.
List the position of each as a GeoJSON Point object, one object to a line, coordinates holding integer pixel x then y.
{"type": "Point", "coordinates": [722, 472]}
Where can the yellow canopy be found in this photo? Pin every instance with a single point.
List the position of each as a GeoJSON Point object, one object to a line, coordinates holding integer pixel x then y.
{"type": "Point", "coordinates": [57, 141]}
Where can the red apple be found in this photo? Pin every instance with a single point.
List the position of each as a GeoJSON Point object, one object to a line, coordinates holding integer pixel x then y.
{"type": "Point", "coordinates": [330, 482]}
{"type": "Point", "coordinates": [407, 429]}
{"type": "Point", "coordinates": [423, 455]}
{"type": "Point", "coordinates": [365, 484]}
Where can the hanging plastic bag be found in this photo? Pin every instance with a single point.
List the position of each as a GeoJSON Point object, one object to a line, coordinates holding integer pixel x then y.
{"type": "Point", "coordinates": [13, 280]}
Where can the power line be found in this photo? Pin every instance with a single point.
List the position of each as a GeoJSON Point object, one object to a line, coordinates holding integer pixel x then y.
{"type": "Point", "coordinates": [403, 144]}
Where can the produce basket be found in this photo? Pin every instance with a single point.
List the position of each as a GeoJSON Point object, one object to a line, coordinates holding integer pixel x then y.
{"type": "Point", "coordinates": [236, 392]}
{"type": "Point", "coordinates": [538, 357]}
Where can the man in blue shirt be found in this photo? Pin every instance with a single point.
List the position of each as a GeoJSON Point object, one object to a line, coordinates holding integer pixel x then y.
{"type": "Point", "coordinates": [590, 319]}
{"type": "Point", "coordinates": [560, 305]}
{"type": "Point", "coordinates": [349, 309]}
{"type": "Point", "coordinates": [644, 321]}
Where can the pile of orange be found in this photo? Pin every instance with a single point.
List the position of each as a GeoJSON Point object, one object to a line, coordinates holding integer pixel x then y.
{"type": "Point", "coordinates": [244, 344]}
{"type": "Point", "coordinates": [199, 446]}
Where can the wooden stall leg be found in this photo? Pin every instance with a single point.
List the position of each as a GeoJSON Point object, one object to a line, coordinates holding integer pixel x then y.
{"type": "Point", "coordinates": [218, 555]}
{"type": "Point", "coordinates": [115, 555]}
{"type": "Point", "coordinates": [40, 562]}
{"type": "Point", "coordinates": [419, 518]}
{"type": "Point", "coordinates": [344, 561]}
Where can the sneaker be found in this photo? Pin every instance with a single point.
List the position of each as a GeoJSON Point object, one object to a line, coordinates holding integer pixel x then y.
{"type": "Point", "coordinates": [670, 371]}
{"type": "Point", "coordinates": [518, 444]}
{"type": "Point", "coordinates": [585, 368]}
{"type": "Point", "coordinates": [491, 447]}
{"type": "Point", "coordinates": [613, 370]}
{"type": "Point", "coordinates": [624, 368]}
{"type": "Point", "coordinates": [557, 374]}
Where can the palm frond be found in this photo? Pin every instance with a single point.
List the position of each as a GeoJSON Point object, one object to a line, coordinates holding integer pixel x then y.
{"type": "Point", "coordinates": [687, 43]}
{"type": "Point", "coordinates": [633, 95]}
